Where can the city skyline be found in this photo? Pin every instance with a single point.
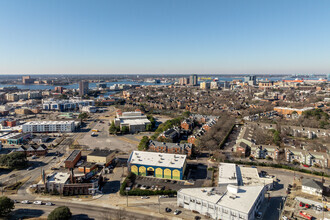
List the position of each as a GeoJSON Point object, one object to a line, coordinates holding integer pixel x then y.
{"type": "Point", "coordinates": [164, 37]}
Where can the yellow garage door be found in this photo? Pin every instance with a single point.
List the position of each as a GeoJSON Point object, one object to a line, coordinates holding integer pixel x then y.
{"type": "Point", "coordinates": [176, 174]}
{"type": "Point", "coordinates": [167, 174]}
{"type": "Point", "coordinates": [134, 170]}
{"type": "Point", "coordinates": [142, 171]}
{"type": "Point", "coordinates": [159, 173]}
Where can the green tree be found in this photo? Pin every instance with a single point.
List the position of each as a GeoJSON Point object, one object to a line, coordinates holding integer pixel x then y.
{"type": "Point", "coordinates": [186, 114]}
{"type": "Point", "coordinates": [60, 213]}
{"type": "Point", "coordinates": [82, 116]}
{"type": "Point", "coordinates": [112, 129]}
{"type": "Point", "coordinates": [276, 137]}
{"type": "Point", "coordinates": [152, 120]}
{"type": "Point", "coordinates": [144, 143]}
{"type": "Point", "coordinates": [149, 127]}
{"type": "Point", "coordinates": [15, 160]}
{"type": "Point", "coordinates": [6, 205]}
{"type": "Point", "coordinates": [124, 130]}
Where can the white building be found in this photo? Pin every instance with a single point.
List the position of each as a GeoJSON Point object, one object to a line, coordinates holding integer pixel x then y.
{"type": "Point", "coordinates": [48, 126]}
{"type": "Point", "coordinates": [312, 187]}
{"type": "Point", "coordinates": [55, 182]}
{"type": "Point", "coordinates": [227, 202]}
{"type": "Point", "coordinates": [135, 121]}
{"type": "Point", "coordinates": [230, 173]}
{"type": "Point", "coordinates": [65, 105]}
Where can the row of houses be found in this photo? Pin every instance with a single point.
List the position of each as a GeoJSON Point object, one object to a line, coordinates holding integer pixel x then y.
{"type": "Point", "coordinates": [173, 148]}
{"type": "Point", "coordinates": [33, 150]}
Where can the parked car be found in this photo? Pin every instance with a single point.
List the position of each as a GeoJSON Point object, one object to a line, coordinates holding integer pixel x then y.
{"type": "Point", "coordinates": [145, 197]}
{"type": "Point", "coordinates": [49, 204]}
{"type": "Point", "coordinates": [163, 196]}
{"type": "Point", "coordinates": [177, 212]}
{"type": "Point", "coordinates": [25, 202]}
{"type": "Point", "coordinates": [301, 204]}
{"type": "Point", "coordinates": [37, 202]}
{"type": "Point", "coordinates": [168, 209]}
{"type": "Point", "coordinates": [30, 168]}
{"type": "Point", "coordinates": [259, 215]}
{"type": "Point", "coordinates": [307, 206]}
{"type": "Point", "coordinates": [143, 187]}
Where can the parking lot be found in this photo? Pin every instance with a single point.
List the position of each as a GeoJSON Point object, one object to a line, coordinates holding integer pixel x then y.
{"type": "Point", "coordinates": [161, 184]}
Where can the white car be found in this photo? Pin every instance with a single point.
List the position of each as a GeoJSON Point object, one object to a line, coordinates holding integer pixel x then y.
{"type": "Point", "coordinates": [37, 202]}
{"type": "Point", "coordinates": [177, 212]}
{"type": "Point", "coordinates": [145, 197]}
{"type": "Point", "coordinates": [49, 204]}
{"type": "Point", "coordinates": [25, 202]}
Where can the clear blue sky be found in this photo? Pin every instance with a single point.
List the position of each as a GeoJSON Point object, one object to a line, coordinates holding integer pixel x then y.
{"type": "Point", "coordinates": [164, 36]}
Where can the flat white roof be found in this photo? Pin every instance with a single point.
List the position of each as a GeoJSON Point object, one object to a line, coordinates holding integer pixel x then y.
{"type": "Point", "coordinates": [141, 121]}
{"type": "Point", "coordinates": [227, 174]}
{"type": "Point", "coordinates": [250, 176]}
{"type": "Point", "coordinates": [48, 122]}
{"type": "Point", "coordinates": [58, 177]}
{"type": "Point", "coordinates": [241, 201]}
{"type": "Point", "coordinates": [158, 159]}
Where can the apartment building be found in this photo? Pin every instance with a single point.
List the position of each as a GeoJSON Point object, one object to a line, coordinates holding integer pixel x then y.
{"type": "Point", "coordinates": [174, 148]}
{"type": "Point", "coordinates": [48, 126]}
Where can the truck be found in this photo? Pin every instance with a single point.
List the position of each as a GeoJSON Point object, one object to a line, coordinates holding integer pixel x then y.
{"type": "Point", "coordinates": [95, 130]}
{"type": "Point", "coordinates": [305, 215]}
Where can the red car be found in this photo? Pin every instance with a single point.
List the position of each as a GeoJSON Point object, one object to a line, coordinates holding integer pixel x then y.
{"type": "Point", "coordinates": [307, 206]}
{"type": "Point", "coordinates": [301, 204]}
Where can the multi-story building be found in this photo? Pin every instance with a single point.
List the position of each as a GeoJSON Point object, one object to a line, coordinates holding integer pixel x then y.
{"type": "Point", "coordinates": [184, 81]}
{"type": "Point", "coordinates": [160, 165]}
{"type": "Point", "coordinates": [14, 97]}
{"type": "Point", "coordinates": [214, 85]}
{"type": "Point", "coordinates": [135, 121]}
{"type": "Point", "coordinates": [48, 126]}
{"type": "Point", "coordinates": [187, 124]}
{"type": "Point", "coordinates": [312, 187]}
{"type": "Point", "coordinates": [251, 80]}
{"type": "Point", "coordinates": [289, 111]}
{"type": "Point", "coordinates": [193, 80]}
{"type": "Point", "coordinates": [66, 105]}
{"type": "Point", "coordinates": [173, 148]}
{"type": "Point", "coordinates": [83, 88]}
{"type": "Point", "coordinates": [265, 151]}
{"type": "Point", "coordinates": [204, 85]}
{"type": "Point", "coordinates": [229, 202]}
{"type": "Point", "coordinates": [27, 80]}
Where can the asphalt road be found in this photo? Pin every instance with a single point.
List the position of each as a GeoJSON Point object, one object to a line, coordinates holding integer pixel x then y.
{"type": "Point", "coordinates": [79, 211]}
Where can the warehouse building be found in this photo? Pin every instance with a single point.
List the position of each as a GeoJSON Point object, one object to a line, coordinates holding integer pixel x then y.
{"type": "Point", "coordinates": [160, 165]}
{"type": "Point", "coordinates": [48, 126]}
{"type": "Point", "coordinates": [227, 202]}
{"type": "Point", "coordinates": [72, 159]}
{"type": "Point", "coordinates": [135, 121]}
{"type": "Point", "coordinates": [101, 157]}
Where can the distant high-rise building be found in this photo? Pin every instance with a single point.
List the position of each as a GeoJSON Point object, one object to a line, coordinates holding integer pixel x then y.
{"type": "Point", "coordinates": [205, 85]}
{"type": "Point", "coordinates": [251, 80]}
{"type": "Point", "coordinates": [83, 88]}
{"type": "Point", "coordinates": [59, 89]}
{"type": "Point", "coordinates": [27, 80]}
{"type": "Point", "coordinates": [193, 80]}
{"type": "Point", "coordinates": [184, 81]}
{"type": "Point", "coordinates": [214, 85]}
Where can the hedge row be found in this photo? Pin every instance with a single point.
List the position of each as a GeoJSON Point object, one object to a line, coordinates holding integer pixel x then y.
{"type": "Point", "coordinates": [283, 166]}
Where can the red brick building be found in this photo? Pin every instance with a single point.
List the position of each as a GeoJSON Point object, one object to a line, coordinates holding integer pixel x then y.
{"type": "Point", "coordinates": [173, 148]}
{"type": "Point", "coordinates": [72, 159]}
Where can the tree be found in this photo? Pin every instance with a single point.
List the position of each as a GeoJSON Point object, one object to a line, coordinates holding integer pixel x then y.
{"type": "Point", "coordinates": [60, 213]}
{"type": "Point", "coordinates": [144, 143]}
{"type": "Point", "coordinates": [276, 137]}
{"type": "Point", "coordinates": [82, 116]}
{"type": "Point", "coordinates": [149, 127]}
{"type": "Point", "coordinates": [186, 114]}
{"type": "Point", "coordinates": [124, 129]}
{"type": "Point", "coordinates": [152, 120]}
{"type": "Point", "coordinates": [15, 160]}
{"type": "Point", "coordinates": [112, 129]}
{"type": "Point", "coordinates": [6, 205]}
